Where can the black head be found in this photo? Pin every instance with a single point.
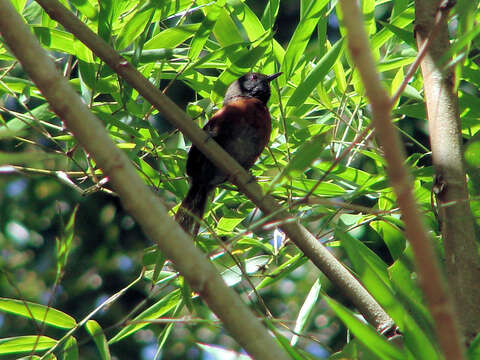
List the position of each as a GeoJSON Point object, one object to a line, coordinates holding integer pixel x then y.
{"type": "Point", "coordinates": [251, 85]}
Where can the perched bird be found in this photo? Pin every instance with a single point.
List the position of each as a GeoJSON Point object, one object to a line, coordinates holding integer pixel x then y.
{"type": "Point", "coordinates": [242, 127]}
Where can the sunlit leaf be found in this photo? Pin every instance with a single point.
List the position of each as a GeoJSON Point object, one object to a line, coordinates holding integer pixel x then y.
{"type": "Point", "coordinates": [316, 75]}
{"type": "Point", "coordinates": [23, 344]}
{"type": "Point", "coordinates": [301, 36]}
{"type": "Point", "coordinates": [40, 313]}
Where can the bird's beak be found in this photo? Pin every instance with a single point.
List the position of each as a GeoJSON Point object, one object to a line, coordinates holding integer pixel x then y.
{"type": "Point", "coordinates": [274, 76]}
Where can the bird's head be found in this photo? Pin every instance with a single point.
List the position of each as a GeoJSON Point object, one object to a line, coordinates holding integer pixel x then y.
{"type": "Point", "coordinates": [250, 85]}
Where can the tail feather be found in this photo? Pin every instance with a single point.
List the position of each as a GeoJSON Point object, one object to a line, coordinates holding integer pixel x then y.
{"type": "Point", "coordinates": [192, 208]}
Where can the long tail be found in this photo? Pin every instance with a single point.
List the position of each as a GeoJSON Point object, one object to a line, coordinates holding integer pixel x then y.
{"type": "Point", "coordinates": [192, 208]}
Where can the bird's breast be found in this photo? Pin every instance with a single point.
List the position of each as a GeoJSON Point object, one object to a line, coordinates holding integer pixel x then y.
{"type": "Point", "coordinates": [247, 127]}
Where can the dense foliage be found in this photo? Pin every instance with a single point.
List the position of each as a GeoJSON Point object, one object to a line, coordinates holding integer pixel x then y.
{"type": "Point", "coordinates": [67, 244]}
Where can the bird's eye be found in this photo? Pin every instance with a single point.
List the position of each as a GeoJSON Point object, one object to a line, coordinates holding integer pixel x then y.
{"type": "Point", "coordinates": [254, 77]}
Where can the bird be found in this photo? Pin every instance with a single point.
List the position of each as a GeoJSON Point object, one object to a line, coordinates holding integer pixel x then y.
{"type": "Point", "coordinates": [242, 128]}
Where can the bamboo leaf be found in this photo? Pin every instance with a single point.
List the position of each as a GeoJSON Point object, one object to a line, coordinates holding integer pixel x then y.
{"type": "Point", "coordinates": [70, 349]}
{"type": "Point", "coordinates": [305, 88]}
{"type": "Point", "coordinates": [306, 311]}
{"type": "Point", "coordinates": [98, 336]}
{"type": "Point", "coordinates": [41, 313]}
{"type": "Point", "coordinates": [301, 36]}
{"type": "Point", "coordinates": [374, 341]}
{"type": "Point", "coordinates": [24, 344]}
{"type": "Point", "coordinates": [200, 38]}
{"type": "Point", "coordinates": [160, 308]}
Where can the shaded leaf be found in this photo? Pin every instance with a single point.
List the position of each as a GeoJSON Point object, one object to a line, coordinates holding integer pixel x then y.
{"type": "Point", "coordinates": [365, 333]}
{"type": "Point", "coordinates": [301, 36]}
{"type": "Point", "coordinates": [306, 311]}
{"type": "Point", "coordinates": [70, 349]}
{"type": "Point", "coordinates": [98, 336]}
{"type": "Point", "coordinates": [160, 308]}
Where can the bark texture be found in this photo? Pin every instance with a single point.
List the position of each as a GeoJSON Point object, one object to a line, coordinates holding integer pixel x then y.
{"type": "Point", "coordinates": [450, 187]}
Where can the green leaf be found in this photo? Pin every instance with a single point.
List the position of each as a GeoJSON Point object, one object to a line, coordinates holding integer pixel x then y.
{"type": "Point", "coordinates": [365, 333]}
{"type": "Point", "coordinates": [304, 186]}
{"type": "Point", "coordinates": [391, 235]}
{"type": "Point", "coordinates": [270, 13]}
{"type": "Point", "coordinates": [105, 20]}
{"type": "Point", "coordinates": [10, 83]}
{"type": "Point", "coordinates": [471, 154]}
{"type": "Point", "coordinates": [86, 8]}
{"type": "Point", "coordinates": [160, 308]}
{"type": "Point", "coordinates": [305, 88]}
{"type": "Point", "coordinates": [294, 353]}
{"type": "Point", "coordinates": [400, 21]}
{"type": "Point", "coordinates": [23, 344]}
{"type": "Point", "coordinates": [212, 13]}
{"type": "Point", "coordinates": [283, 270]}
{"type": "Point", "coordinates": [172, 37]}
{"type": "Point", "coordinates": [394, 64]}
{"type": "Point", "coordinates": [70, 349]}
{"type": "Point", "coordinates": [41, 313]}
{"type": "Point", "coordinates": [154, 55]}
{"type": "Point", "coordinates": [23, 121]}
{"type": "Point", "coordinates": [54, 39]}
{"type": "Point", "coordinates": [418, 327]}
{"type": "Point", "coordinates": [301, 37]}
{"type": "Point", "coordinates": [233, 52]}
{"type": "Point", "coordinates": [258, 244]}
{"type": "Point", "coordinates": [306, 311]}
{"type": "Point", "coordinates": [372, 271]}
{"type": "Point", "coordinates": [405, 35]}
{"type": "Point", "coordinates": [19, 5]}
{"type": "Point", "coordinates": [133, 28]}
{"type": "Point", "coordinates": [305, 155]}
{"type": "Point", "coordinates": [187, 293]}
{"type": "Point", "coordinates": [368, 9]}
{"type": "Point", "coordinates": [36, 357]}
{"type": "Point", "coordinates": [159, 263]}
{"type": "Point", "coordinates": [352, 176]}
{"type": "Point", "coordinates": [466, 25]}
{"type": "Point", "coordinates": [247, 18]}
{"type": "Point", "coordinates": [88, 75]}
{"type": "Point", "coordinates": [23, 158]}
{"type": "Point", "coordinates": [226, 31]}
{"type": "Point", "coordinates": [65, 242]}
{"type": "Point", "coordinates": [98, 336]}
{"type": "Point", "coordinates": [227, 224]}
{"type": "Point", "coordinates": [474, 349]}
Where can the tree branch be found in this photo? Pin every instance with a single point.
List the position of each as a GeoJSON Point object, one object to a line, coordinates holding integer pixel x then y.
{"type": "Point", "coordinates": [310, 246]}
{"type": "Point", "coordinates": [457, 223]}
{"type": "Point", "coordinates": [135, 195]}
{"type": "Point", "coordinates": [430, 277]}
